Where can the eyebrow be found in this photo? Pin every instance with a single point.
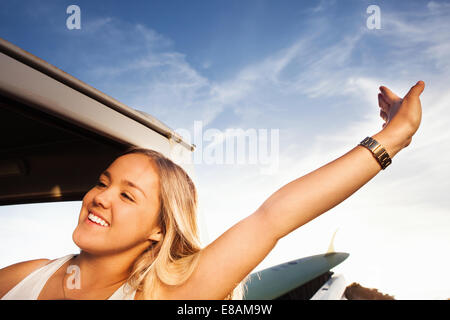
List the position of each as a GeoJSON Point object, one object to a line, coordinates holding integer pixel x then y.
{"type": "Point", "coordinates": [127, 182]}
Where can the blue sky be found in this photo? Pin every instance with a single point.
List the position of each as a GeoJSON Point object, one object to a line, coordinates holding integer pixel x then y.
{"type": "Point", "coordinates": [310, 69]}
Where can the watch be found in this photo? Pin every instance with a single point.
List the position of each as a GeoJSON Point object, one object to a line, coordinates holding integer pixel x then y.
{"type": "Point", "coordinates": [378, 151]}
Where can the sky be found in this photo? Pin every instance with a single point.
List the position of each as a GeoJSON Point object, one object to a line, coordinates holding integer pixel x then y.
{"type": "Point", "coordinates": [307, 74]}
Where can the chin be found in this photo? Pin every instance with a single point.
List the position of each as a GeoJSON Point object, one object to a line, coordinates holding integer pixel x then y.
{"type": "Point", "coordinates": [98, 244]}
{"type": "Point", "coordinates": [89, 243]}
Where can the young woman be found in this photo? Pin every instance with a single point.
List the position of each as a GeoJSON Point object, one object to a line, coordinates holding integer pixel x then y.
{"type": "Point", "coordinates": [138, 235]}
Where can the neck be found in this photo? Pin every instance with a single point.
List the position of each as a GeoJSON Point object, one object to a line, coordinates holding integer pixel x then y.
{"type": "Point", "coordinates": [102, 271]}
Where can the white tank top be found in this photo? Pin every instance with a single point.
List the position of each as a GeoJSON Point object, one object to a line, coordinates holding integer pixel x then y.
{"type": "Point", "coordinates": [30, 287]}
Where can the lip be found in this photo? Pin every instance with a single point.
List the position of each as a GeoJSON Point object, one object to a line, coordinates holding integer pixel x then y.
{"type": "Point", "coordinates": [98, 215]}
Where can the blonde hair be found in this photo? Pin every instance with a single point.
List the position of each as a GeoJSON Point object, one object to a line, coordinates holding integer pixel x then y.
{"type": "Point", "coordinates": [173, 259]}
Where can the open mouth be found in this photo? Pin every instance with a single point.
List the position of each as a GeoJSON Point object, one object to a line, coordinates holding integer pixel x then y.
{"type": "Point", "coordinates": [97, 220]}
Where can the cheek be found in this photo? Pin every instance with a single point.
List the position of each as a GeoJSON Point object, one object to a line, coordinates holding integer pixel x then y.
{"type": "Point", "coordinates": [133, 223]}
{"type": "Point", "coordinates": [83, 211]}
{"type": "Point", "coordinates": [89, 196]}
{"type": "Point", "coordinates": [129, 221]}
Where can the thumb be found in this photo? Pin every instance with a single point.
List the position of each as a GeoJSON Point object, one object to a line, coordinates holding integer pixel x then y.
{"type": "Point", "coordinates": [416, 90]}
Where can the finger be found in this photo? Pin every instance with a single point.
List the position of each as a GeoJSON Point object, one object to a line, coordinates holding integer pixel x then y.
{"type": "Point", "coordinates": [382, 103]}
{"type": "Point", "coordinates": [383, 115]}
{"type": "Point", "coordinates": [388, 95]}
{"type": "Point", "coordinates": [416, 90]}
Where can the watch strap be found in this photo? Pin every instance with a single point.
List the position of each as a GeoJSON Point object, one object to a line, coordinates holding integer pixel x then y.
{"type": "Point", "coordinates": [378, 151]}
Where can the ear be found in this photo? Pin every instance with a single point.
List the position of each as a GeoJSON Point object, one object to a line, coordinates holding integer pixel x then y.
{"type": "Point", "coordinates": [156, 234]}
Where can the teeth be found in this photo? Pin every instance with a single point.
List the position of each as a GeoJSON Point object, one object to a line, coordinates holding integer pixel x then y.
{"type": "Point", "coordinates": [98, 220]}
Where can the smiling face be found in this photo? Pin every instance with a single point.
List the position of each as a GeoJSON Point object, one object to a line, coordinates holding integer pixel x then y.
{"type": "Point", "coordinates": [121, 211]}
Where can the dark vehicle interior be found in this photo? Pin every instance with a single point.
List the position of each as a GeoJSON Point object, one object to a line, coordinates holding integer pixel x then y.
{"type": "Point", "coordinates": [44, 158]}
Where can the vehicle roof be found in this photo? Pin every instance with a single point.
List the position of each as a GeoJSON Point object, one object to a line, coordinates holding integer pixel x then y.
{"type": "Point", "coordinates": [58, 133]}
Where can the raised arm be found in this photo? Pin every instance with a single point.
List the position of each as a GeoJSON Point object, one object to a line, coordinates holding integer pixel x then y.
{"type": "Point", "coordinates": [306, 198]}
{"type": "Point", "coordinates": [227, 260]}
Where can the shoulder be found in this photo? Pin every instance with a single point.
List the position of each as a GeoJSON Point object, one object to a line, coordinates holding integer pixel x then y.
{"type": "Point", "coordinates": [11, 275]}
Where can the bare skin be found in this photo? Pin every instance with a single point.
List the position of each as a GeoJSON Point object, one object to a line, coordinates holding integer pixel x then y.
{"type": "Point", "coordinates": [232, 256]}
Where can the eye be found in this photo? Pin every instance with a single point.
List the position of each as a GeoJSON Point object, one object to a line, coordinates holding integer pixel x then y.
{"type": "Point", "coordinates": [127, 196]}
{"type": "Point", "coordinates": [100, 184]}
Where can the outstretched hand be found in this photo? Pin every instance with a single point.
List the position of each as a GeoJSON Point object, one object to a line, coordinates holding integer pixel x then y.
{"type": "Point", "coordinates": [402, 116]}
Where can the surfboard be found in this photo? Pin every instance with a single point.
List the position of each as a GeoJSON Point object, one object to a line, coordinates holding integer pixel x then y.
{"type": "Point", "coordinates": [275, 281]}
{"type": "Point", "coordinates": [333, 289]}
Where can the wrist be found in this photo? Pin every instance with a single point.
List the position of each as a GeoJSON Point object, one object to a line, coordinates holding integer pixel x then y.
{"type": "Point", "coordinates": [389, 141]}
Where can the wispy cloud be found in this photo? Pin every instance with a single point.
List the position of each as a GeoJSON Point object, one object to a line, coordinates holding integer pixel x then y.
{"type": "Point", "coordinates": [424, 33]}
{"type": "Point", "coordinates": [322, 5]}
{"type": "Point", "coordinates": [159, 80]}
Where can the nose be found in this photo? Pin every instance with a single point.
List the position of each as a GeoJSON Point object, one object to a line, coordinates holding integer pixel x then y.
{"type": "Point", "coordinates": [103, 198]}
